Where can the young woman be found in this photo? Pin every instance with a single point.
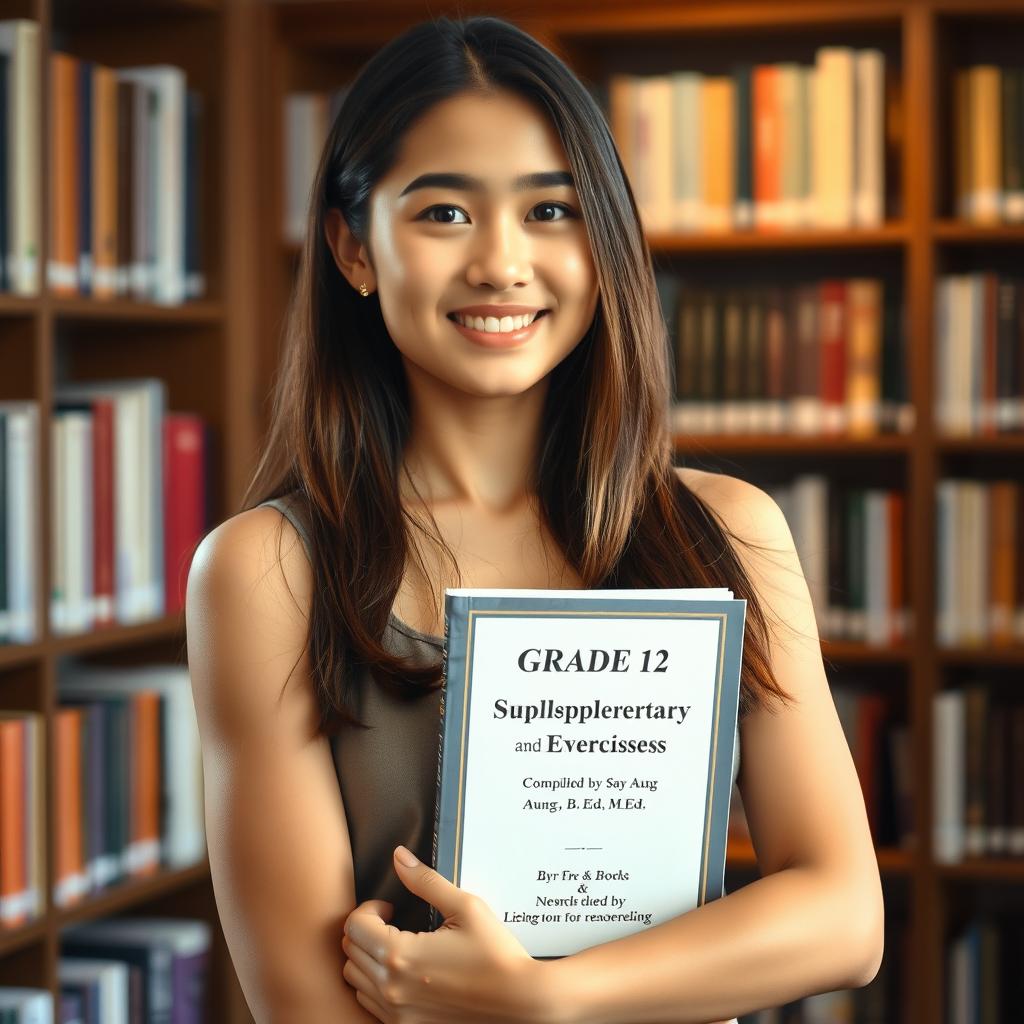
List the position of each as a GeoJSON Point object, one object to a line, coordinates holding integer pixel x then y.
{"type": "Point", "coordinates": [416, 446]}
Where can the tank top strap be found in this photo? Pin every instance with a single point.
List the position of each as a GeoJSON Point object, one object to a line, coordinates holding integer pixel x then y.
{"type": "Point", "coordinates": [292, 509]}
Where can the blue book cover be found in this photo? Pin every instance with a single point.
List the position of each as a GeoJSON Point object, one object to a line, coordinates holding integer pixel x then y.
{"type": "Point", "coordinates": [585, 757]}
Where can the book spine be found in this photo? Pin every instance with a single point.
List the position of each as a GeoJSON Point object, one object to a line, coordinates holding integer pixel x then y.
{"type": "Point", "coordinates": [440, 756]}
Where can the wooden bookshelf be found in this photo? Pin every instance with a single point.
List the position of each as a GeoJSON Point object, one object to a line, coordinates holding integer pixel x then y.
{"type": "Point", "coordinates": [219, 355]}
{"type": "Point", "coordinates": [320, 46]}
{"type": "Point", "coordinates": [200, 349]}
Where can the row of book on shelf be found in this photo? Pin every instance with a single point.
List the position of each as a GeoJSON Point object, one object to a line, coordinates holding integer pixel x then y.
{"type": "Point", "coordinates": [983, 981]}
{"type": "Point", "coordinates": [125, 176]}
{"type": "Point", "coordinates": [978, 746]}
{"type": "Point", "coordinates": [988, 143]}
{"type": "Point", "coordinates": [820, 357]}
{"type": "Point", "coordinates": [122, 970]}
{"type": "Point", "coordinates": [979, 354]}
{"type": "Point", "coordinates": [979, 571]}
{"type": "Point", "coordinates": [879, 740]}
{"type": "Point", "coordinates": [127, 786]}
{"type": "Point", "coordinates": [771, 146]}
{"type": "Point", "coordinates": [851, 542]}
{"type": "Point", "coordinates": [129, 504]}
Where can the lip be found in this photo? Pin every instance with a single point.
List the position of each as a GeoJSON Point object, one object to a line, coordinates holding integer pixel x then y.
{"type": "Point", "coordinates": [496, 339]}
{"type": "Point", "coordinates": [497, 310]}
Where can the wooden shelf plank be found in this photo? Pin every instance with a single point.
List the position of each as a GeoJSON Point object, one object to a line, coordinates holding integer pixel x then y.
{"type": "Point", "coordinates": [981, 443]}
{"type": "Point", "coordinates": [18, 938]}
{"type": "Point", "coordinates": [119, 636]}
{"type": "Point", "coordinates": [824, 444]}
{"type": "Point", "coordinates": [85, 308]}
{"type": "Point", "coordinates": [965, 233]}
{"type": "Point", "coordinates": [984, 869]}
{"type": "Point", "coordinates": [130, 894]}
{"type": "Point", "coordinates": [982, 655]}
{"type": "Point", "coordinates": [20, 654]}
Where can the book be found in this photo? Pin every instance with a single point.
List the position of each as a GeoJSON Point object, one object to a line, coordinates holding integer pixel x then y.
{"type": "Point", "coordinates": [584, 756]}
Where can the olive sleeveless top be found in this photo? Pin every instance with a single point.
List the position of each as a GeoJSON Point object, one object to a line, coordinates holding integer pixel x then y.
{"type": "Point", "coordinates": [388, 773]}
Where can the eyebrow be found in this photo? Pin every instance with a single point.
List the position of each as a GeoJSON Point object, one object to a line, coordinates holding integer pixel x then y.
{"type": "Point", "coordinates": [467, 183]}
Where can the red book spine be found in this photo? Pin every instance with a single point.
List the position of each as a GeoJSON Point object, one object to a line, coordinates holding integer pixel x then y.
{"type": "Point", "coordinates": [103, 510]}
{"type": "Point", "coordinates": [832, 298]}
{"type": "Point", "coordinates": [184, 501]}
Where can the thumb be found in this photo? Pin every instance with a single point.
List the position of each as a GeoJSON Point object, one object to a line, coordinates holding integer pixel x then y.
{"type": "Point", "coordinates": [427, 883]}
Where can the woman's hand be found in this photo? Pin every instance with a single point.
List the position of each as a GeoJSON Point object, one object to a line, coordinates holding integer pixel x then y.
{"type": "Point", "coordinates": [472, 970]}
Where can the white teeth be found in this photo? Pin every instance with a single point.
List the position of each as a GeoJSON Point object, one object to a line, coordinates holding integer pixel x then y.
{"type": "Point", "coordinates": [493, 325]}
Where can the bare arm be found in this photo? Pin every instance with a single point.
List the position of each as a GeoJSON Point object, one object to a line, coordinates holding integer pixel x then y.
{"type": "Point", "coordinates": [279, 847]}
{"type": "Point", "coordinates": [813, 922]}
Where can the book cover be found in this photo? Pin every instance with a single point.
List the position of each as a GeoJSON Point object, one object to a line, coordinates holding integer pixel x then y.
{"type": "Point", "coordinates": [584, 762]}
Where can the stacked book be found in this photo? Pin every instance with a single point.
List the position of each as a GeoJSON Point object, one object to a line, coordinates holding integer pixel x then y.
{"type": "Point", "coordinates": [822, 357]}
{"type": "Point", "coordinates": [988, 143]}
{"type": "Point", "coordinates": [979, 568]}
{"type": "Point", "coordinates": [769, 147]}
{"type": "Point", "coordinates": [22, 823]}
{"type": "Point", "coordinates": [308, 117]}
{"type": "Point", "coordinates": [852, 547]}
{"type": "Point", "coordinates": [20, 521]}
{"type": "Point", "coordinates": [979, 354]}
{"type": "Point", "coordinates": [126, 176]}
{"type": "Point", "coordinates": [128, 773]}
{"type": "Point", "coordinates": [20, 154]}
{"type": "Point", "coordinates": [122, 970]}
{"type": "Point", "coordinates": [983, 980]}
{"type": "Point", "coordinates": [129, 505]}
{"type": "Point", "coordinates": [979, 762]}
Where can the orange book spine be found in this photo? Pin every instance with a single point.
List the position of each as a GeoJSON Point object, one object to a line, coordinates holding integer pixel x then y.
{"type": "Point", "coordinates": [69, 867]}
{"type": "Point", "coordinates": [13, 878]}
{"type": "Point", "coordinates": [104, 162]}
{"type": "Point", "coordinates": [767, 146]}
{"type": "Point", "coordinates": [146, 794]}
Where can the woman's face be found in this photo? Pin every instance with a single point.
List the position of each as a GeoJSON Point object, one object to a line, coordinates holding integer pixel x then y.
{"type": "Point", "coordinates": [442, 245]}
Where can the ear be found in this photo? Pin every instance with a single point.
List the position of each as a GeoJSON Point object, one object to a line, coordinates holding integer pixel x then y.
{"type": "Point", "coordinates": [350, 255]}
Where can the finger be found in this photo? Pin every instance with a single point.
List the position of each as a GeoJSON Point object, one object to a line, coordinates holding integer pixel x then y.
{"type": "Point", "coordinates": [359, 979]}
{"type": "Point", "coordinates": [366, 929]}
{"type": "Point", "coordinates": [373, 1006]}
{"type": "Point", "coordinates": [381, 908]}
{"type": "Point", "coordinates": [375, 970]}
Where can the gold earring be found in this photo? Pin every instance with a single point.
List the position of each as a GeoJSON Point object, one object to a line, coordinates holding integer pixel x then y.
{"type": "Point", "coordinates": [362, 290]}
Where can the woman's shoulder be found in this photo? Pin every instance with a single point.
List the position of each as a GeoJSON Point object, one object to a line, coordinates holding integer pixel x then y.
{"type": "Point", "coordinates": [257, 552]}
{"type": "Point", "coordinates": [748, 511]}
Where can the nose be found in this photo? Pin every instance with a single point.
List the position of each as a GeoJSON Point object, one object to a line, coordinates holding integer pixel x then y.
{"type": "Point", "coordinates": [502, 257]}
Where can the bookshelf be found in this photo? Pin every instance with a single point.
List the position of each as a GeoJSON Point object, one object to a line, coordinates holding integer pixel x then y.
{"type": "Point", "coordinates": [317, 47]}
{"type": "Point", "coordinates": [199, 349]}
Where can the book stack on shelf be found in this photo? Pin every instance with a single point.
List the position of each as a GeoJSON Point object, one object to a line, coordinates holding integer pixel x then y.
{"type": "Point", "coordinates": [836, 313]}
{"type": "Point", "coordinates": [988, 133]}
{"type": "Point", "coordinates": [769, 147]}
{"type": "Point", "coordinates": [121, 444]}
{"type": "Point", "coordinates": [823, 357]}
{"type": "Point", "coordinates": [979, 355]}
{"type": "Point", "coordinates": [128, 503]}
{"type": "Point", "coordinates": [979, 563]}
{"type": "Point", "coordinates": [126, 178]}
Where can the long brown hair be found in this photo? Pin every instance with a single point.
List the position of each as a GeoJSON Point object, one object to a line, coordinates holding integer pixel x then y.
{"type": "Point", "coordinates": [604, 477]}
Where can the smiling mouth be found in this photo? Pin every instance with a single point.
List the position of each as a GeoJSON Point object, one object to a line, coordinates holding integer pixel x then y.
{"type": "Point", "coordinates": [542, 313]}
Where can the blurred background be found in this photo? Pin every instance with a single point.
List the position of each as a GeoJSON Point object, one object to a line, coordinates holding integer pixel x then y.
{"type": "Point", "coordinates": [833, 194]}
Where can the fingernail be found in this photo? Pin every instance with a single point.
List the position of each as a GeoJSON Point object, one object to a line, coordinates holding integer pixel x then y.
{"type": "Point", "coordinates": [406, 857]}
